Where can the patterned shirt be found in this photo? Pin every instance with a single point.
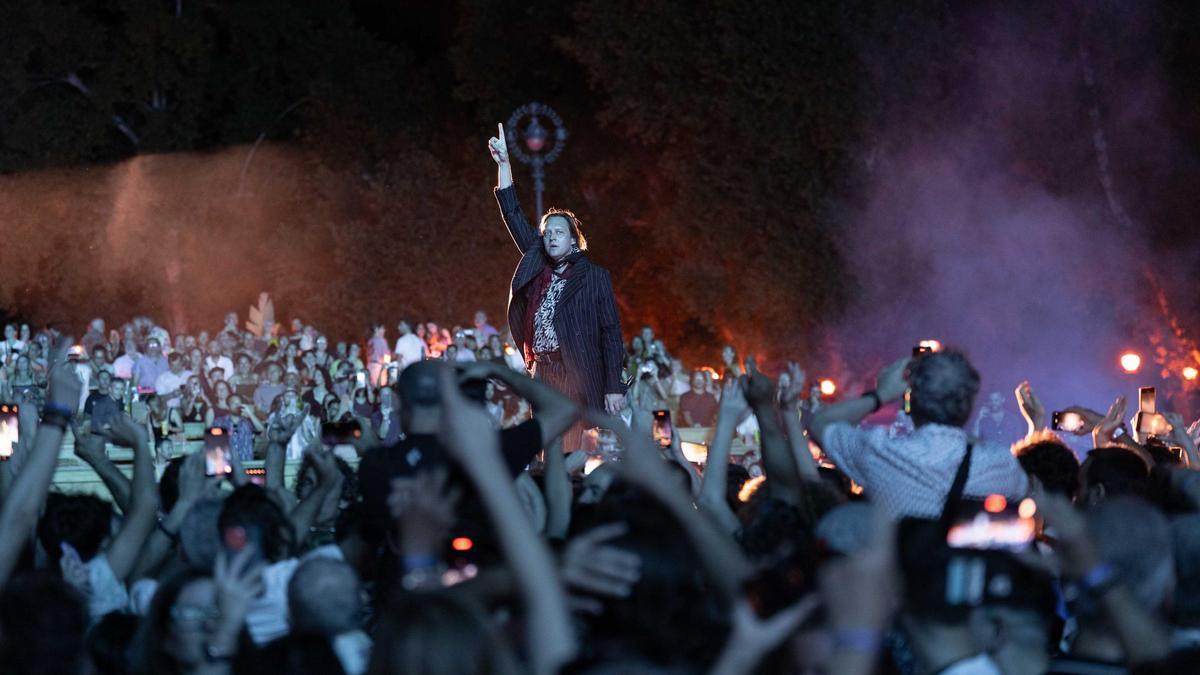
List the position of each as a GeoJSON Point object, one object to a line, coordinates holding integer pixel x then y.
{"type": "Point", "coordinates": [544, 338]}
{"type": "Point", "coordinates": [911, 475]}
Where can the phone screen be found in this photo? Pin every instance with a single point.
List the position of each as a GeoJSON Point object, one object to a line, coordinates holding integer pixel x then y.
{"type": "Point", "coordinates": [360, 379]}
{"type": "Point", "coordinates": [994, 524]}
{"type": "Point", "coordinates": [216, 452]}
{"type": "Point", "coordinates": [662, 428]}
{"type": "Point", "coordinates": [9, 429]}
{"type": "Point", "coordinates": [1071, 422]}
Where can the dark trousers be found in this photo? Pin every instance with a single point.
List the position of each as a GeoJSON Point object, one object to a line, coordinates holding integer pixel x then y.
{"type": "Point", "coordinates": [554, 373]}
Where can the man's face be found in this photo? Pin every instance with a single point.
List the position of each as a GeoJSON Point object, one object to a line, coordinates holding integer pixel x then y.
{"type": "Point", "coordinates": [556, 237]}
{"type": "Point", "coordinates": [274, 374]}
{"type": "Point", "coordinates": [480, 318]}
{"type": "Point", "coordinates": [322, 343]}
{"type": "Point", "coordinates": [118, 389]}
{"type": "Point", "coordinates": [10, 332]}
{"type": "Point", "coordinates": [103, 381]}
{"type": "Point", "coordinates": [98, 357]}
{"type": "Point", "coordinates": [404, 328]}
{"type": "Point", "coordinates": [698, 383]}
{"type": "Point", "coordinates": [214, 349]}
{"type": "Point", "coordinates": [647, 336]}
{"type": "Point", "coordinates": [176, 366]}
{"type": "Point", "coordinates": [154, 349]}
{"type": "Point", "coordinates": [297, 326]}
{"type": "Point", "coordinates": [996, 400]}
{"type": "Point", "coordinates": [230, 320]}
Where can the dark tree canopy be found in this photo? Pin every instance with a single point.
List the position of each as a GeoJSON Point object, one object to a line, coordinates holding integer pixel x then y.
{"type": "Point", "coordinates": [336, 151]}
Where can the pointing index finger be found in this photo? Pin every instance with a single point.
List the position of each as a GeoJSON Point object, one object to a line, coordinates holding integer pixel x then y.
{"type": "Point", "coordinates": [500, 132]}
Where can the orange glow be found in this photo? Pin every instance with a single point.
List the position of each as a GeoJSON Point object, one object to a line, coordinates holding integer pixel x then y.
{"type": "Point", "coordinates": [217, 431]}
{"type": "Point", "coordinates": [1027, 508]}
{"type": "Point", "coordinates": [1131, 362]}
{"type": "Point", "coordinates": [828, 388]}
{"type": "Point", "coordinates": [994, 503]}
{"type": "Point", "coordinates": [462, 544]}
{"type": "Point", "coordinates": [932, 345]}
{"type": "Point", "coordinates": [1190, 373]}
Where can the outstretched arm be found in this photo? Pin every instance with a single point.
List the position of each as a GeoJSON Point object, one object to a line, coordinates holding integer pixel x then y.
{"type": "Point", "coordinates": [522, 232]}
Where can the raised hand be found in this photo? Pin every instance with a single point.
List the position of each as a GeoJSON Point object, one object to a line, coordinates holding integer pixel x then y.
{"type": "Point", "coordinates": [424, 510]}
{"type": "Point", "coordinates": [1031, 408]}
{"type": "Point", "coordinates": [125, 432]}
{"type": "Point", "coordinates": [733, 401]}
{"type": "Point", "coordinates": [1102, 434]}
{"type": "Point", "coordinates": [591, 564]}
{"type": "Point", "coordinates": [498, 146]}
{"type": "Point", "coordinates": [795, 389]}
{"type": "Point", "coordinates": [892, 382]}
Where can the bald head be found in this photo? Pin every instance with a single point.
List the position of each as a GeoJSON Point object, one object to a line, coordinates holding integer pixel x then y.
{"type": "Point", "coordinates": [324, 598]}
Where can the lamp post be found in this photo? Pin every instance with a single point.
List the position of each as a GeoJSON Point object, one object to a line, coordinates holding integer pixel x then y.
{"type": "Point", "coordinates": [536, 137]}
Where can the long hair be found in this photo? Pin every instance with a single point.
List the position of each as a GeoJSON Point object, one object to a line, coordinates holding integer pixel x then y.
{"type": "Point", "coordinates": [573, 225]}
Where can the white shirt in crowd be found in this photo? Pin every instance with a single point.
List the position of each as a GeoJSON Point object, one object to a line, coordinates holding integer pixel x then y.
{"type": "Point", "coordinates": [169, 383]}
{"type": "Point", "coordinates": [123, 365]}
{"type": "Point", "coordinates": [409, 350]}
{"type": "Point", "coordinates": [911, 475]}
{"type": "Point", "coordinates": [223, 362]}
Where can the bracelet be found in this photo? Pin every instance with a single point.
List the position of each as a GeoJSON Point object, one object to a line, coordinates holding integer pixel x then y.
{"type": "Point", "coordinates": [56, 419]}
{"type": "Point", "coordinates": [1099, 580]}
{"type": "Point", "coordinates": [864, 640]}
{"type": "Point", "coordinates": [58, 409]}
{"type": "Point", "coordinates": [874, 395]}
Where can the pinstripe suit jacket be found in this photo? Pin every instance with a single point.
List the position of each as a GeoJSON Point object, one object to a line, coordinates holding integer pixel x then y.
{"type": "Point", "coordinates": [585, 320]}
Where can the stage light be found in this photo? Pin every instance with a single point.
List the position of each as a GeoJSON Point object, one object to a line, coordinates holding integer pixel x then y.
{"type": "Point", "coordinates": [1190, 373]}
{"type": "Point", "coordinates": [462, 544]}
{"type": "Point", "coordinates": [1027, 508]}
{"type": "Point", "coordinates": [828, 388]}
{"type": "Point", "coordinates": [1131, 362]}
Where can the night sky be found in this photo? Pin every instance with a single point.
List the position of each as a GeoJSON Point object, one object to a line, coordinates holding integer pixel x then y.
{"type": "Point", "coordinates": [828, 180]}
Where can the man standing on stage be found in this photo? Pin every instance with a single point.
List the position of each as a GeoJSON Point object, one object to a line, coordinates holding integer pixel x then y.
{"type": "Point", "coordinates": [561, 307]}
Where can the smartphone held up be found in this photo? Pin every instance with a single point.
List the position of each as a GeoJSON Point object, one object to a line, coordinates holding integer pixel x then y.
{"type": "Point", "coordinates": [217, 460]}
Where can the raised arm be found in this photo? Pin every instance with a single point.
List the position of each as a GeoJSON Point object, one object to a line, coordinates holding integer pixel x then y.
{"type": "Point", "coordinates": [90, 449]}
{"type": "Point", "coordinates": [554, 412]}
{"type": "Point", "coordinates": [719, 554]}
{"type": "Point", "coordinates": [523, 234]}
{"type": "Point", "coordinates": [123, 551]}
{"type": "Point", "coordinates": [889, 387]}
{"type": "Point", "coordinates": [23, 503]}
{"type": "Point", "coordinates": [783, 475]}
{"type": "Point", "coordinates": [789, 405]}
{"type": "Point", "coordinates": [716, 466]}
{"type": "Point", "coordinates": [467, 435]}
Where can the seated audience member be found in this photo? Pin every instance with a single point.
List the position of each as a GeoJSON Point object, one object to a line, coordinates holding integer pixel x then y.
{"type": "Point", "coordinates": [170, 385]}
{"type": "Point", "coordinates": [697, 407]}
{"type": "Point", "coordinates": [909, 476]}
{"type": "Point", "coordinates": [266, 393]}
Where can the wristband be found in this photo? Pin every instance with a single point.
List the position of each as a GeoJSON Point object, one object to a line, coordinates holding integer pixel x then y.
{"type": "Point", "coordinates": [418, 562]}
{"type": "Point", "coordinates": [875, 396]}
{"type": "Point", "coordinates": [863, 640]}
{"type": "Point", "coordinates": [1099, 580]}
{"type": "Point", "coordinates": [56, 419]}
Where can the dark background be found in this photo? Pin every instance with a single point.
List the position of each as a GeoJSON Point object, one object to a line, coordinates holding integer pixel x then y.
{"type": "Point", "coordinates": [736, 164]}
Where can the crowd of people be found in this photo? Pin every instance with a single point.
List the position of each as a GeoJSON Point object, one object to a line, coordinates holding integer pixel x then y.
{"type": "Point", "coordinates": [453, 533]}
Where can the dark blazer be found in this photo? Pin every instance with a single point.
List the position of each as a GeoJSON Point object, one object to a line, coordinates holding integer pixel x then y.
{"type": "Point", "coordinates": [586, 319]}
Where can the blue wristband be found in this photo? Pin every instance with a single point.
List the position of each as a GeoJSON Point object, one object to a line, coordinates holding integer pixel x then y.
{"type": "Point", "coordinates": [863, 640]}
{"type": "Point", "coordinates": [58, 409]}
{"type": "Point", "coordinates": [418, 562]}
